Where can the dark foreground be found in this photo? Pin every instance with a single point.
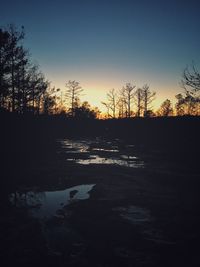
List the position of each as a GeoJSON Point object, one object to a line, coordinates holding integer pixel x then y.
{"type": "Point", "coordinates": [142, 208]}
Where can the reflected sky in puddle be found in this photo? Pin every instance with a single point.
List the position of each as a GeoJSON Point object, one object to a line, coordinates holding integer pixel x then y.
{"type": "Point", "coordinates": [95, 159]}
{"type": "Point", "coordinates": [103, 153]}
{"type": "Point", "coordinates": [75, 146]}
{"type": "Point", "coordinates": [106, 150]}
{"type": "Point", "coordinates": [128, 157]}
{"type": "Point", "coordinates": [47, 204]}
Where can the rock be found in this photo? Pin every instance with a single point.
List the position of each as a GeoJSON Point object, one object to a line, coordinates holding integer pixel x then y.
{"type": "Point", "coordinates": [73, 193]}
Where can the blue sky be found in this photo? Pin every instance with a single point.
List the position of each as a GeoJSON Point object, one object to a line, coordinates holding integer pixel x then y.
{"type": "Point", "coordinates": [104, 44]}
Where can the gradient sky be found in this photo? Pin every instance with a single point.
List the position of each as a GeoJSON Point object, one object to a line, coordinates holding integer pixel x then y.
{"type": "Point", "coordinates": [105, 44]}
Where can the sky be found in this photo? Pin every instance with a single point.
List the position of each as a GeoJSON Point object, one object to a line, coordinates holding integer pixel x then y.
{"type": "Point", "coordinates": [105, 44]}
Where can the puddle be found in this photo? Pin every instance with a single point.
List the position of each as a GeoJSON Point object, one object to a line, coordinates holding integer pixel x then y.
{"type": "Point", "coordinates": [95, 159]}
{"type": "Point", "coordinates": [96, 151]}
{"type": "Point", "coordinates": [47, 204]}
{"type": "Point", "coordinates": [106, 150]}
{"type": "Point", "coordinates": [75, 146]}
{"type": "Point", "coordinates": [127, 157]}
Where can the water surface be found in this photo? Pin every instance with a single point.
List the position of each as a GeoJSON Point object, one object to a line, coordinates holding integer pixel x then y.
{"type": "Point", "coordinates": [87, 152]}
{"type": "Point", "coordinates": [48, 203]}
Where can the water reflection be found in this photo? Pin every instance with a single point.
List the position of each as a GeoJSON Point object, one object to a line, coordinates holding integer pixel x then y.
{"type": "Point", "coordinates": [106, 150]}
{"type": "Point", "coordinates": [74, 146]}
{"type": "Point", "coordinates": [47, 204]}
{"type": "Point", "coordinates": [127, 157]}
{"type": "Point", "coordinates": [101, 152]}
{"type": "Point", "coordinates": [95, 159]}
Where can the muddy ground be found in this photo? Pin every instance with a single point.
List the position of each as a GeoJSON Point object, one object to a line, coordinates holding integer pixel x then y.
{"type": "Point", "coordinates": [142, 215]}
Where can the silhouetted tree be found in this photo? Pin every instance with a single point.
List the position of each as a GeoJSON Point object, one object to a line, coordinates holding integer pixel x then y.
{"type": "Point", "coordinates": [150, 113]}
{"type": "Point", "coordinates": [107, 106]}
{"type": "Point", "coordinates": [191, 80]}
{"type": "Point", "coordinates": [22, 85]}
{"type": "Point", "coordinates": [180, 110]}
{"type": "Point", "coordinates": [112, 99]}
{"type": "Point", "coordinates": [97, 112]}
{"type": "Point", "coordinates": [21, 81]}
{"type": "Point", "coordinates": [127, 94]}
{"type": "Point", "coordinates": [166, 108]}
{"type": "Point", "coordinates": [111, 103]}
{"type": "Point", "coordinates": [61, 108]}
{"type": "Point", "coordinates": [121, 104]}
{"type": "Point", "coordinates": [35, 90]}
{"type": "Point", "coordinates": [121, 107]}
{"type": "Point", "coordinates": [139, 101]}
{"type": "Point", "coordinates": [73, 91]}
{"type": "Point", "coordinates": [50, 100]}
{"type": "Point", "coordinates": [148, 97]}
{"type": "Point", "coordinates": [85, 111]}
{"type": "Point", "coordinates": [14, 57]}
{"type": "Point", "coordinates": [187, 105]}
{"type": "Point", "coordinates": [4, 68]}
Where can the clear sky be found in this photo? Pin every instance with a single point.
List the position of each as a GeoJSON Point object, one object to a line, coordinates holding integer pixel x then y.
{"type": "Point", "coordinates": [104, 44]}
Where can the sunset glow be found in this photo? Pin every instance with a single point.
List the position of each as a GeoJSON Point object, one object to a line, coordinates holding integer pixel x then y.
{"type": "Point", "coordinates": [110, 43]}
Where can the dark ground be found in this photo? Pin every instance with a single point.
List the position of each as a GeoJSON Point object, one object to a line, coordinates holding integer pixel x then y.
{"type": "Point", "coordinates": [103, 230]}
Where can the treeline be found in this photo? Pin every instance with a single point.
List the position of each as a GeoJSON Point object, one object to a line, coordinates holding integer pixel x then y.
{"type": "Point", "coordinates": [131, 101]}
{"type": "Point", "coordinates": [120, 103]}
{"type": "Point", "coordinates": [24, 89]}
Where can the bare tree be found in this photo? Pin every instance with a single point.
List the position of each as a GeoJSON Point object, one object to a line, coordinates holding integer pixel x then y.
{"type": "Point", "coordinates": [121, 107]}
{"type": "Point", "coordinates": [189, 102]}
{"type": "Point", "coordinates": [127, 94]}
{"type": "Point", "coordinates": [121, 104]}
{"type": "Point", "coordinates": [138, 100]}
{"type": "Point", "coordinates": [191, 80]}
{"type": "Point", "coordinates": [107, 106]}
{"type": "Point", "coordinates": [148, 98]}
{"type": "Point", "coordinates": [112, 100]}
{"type": "Point", "coordinates": [72, 94]}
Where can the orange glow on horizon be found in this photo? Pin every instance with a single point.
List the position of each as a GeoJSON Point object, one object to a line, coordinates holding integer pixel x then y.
{"type": "Point", "coordinates": [96, 85]}
{"type": "Point", "coordinates": [95, 95]}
